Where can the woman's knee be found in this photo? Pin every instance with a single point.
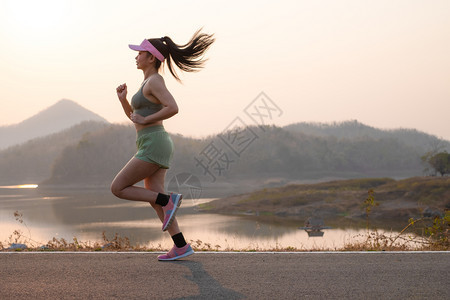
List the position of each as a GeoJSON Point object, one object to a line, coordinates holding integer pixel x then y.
{"type": "Point", "coordinates": [116, 189]}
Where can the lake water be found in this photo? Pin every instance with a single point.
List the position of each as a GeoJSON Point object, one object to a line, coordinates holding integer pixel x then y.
{"type": "Point", "coordinates": [86, 213]}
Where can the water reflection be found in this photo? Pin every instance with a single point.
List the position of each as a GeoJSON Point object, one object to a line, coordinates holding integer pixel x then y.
{"type": "Point", "coordinates": [21, 186]}
{"type": "Point", "coordinates": [65, 213]}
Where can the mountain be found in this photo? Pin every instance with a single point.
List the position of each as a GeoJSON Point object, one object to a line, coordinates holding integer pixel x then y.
{"type": "Point", "coordinates": [32, 161]}
{"type": "Point", "coordinates": [62, 115]}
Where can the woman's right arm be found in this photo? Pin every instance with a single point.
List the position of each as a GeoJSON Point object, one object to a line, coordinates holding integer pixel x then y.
{"type": "Point", "coordinates": [122, 94]}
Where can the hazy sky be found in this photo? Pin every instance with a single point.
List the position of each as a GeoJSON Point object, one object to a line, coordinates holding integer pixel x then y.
{"type": "Point", "coordinates": [384, 63]}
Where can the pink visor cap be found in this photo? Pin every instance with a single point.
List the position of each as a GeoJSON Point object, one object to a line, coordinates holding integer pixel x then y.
{"type": "Point", "coordinates": [147, 46]}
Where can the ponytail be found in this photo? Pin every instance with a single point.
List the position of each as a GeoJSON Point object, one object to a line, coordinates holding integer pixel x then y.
{"type": "Point", "coordinates": [188, 57]}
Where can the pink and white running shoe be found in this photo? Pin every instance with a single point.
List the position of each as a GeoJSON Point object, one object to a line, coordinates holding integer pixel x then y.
{"type": "Point", "coordinates": [171, 209]}
{"type": "Point", "coordinates": [176, 253]}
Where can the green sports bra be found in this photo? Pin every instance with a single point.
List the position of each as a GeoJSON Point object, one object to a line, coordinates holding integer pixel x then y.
{"type": "Point", "coordinates": [142, 106]}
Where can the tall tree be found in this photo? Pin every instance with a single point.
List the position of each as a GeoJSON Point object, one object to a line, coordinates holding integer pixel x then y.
{"type": "Point", "coordinates": [440, 162]}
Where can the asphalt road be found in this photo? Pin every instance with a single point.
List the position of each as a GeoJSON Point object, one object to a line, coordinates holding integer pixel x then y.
{"type": "Point", "coordinates": [380, 275]}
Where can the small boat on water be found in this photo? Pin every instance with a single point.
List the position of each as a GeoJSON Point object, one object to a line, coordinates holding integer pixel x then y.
{"type": "Point", "coordinates": [314, 226]}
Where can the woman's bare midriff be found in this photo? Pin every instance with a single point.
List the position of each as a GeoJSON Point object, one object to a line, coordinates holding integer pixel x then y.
{"type": "Point", "coordinates": [140, 126]}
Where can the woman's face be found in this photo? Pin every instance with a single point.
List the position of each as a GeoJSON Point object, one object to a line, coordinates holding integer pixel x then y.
{"type": "Point", "coordinates": [143, 60]}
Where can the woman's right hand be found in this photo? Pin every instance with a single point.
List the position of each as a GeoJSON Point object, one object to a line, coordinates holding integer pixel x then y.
{"type": "Point", "coordinates": [122, 92]}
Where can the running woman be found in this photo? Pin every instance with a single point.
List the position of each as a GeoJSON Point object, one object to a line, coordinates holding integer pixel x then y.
{"type": "Point", "coordinates": [152, 104]}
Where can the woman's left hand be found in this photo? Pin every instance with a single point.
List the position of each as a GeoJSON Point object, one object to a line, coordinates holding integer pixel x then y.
{"type": "Point", "coordinates": [138, 119]}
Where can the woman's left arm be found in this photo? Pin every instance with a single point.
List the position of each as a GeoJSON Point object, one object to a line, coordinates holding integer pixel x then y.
{"type": "Point", "coordinates": [160, 91]}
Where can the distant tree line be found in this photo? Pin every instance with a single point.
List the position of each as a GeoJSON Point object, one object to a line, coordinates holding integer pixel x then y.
{"type": "Point", "coordinates": [276, 152]}
{"type": "Point", "coordinates": [93, 153]}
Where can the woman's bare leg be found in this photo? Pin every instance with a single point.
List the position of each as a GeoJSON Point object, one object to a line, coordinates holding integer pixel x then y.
{"type": "Point", "coordinates": [133, 172]}
{"type": "Point", "coordinates": [156, 183]}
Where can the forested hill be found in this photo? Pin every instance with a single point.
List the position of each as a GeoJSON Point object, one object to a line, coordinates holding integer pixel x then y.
{"type": "Point", "coordinates": [253, 156]}
{"type": "Point", "coordinates": [355, 130]}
